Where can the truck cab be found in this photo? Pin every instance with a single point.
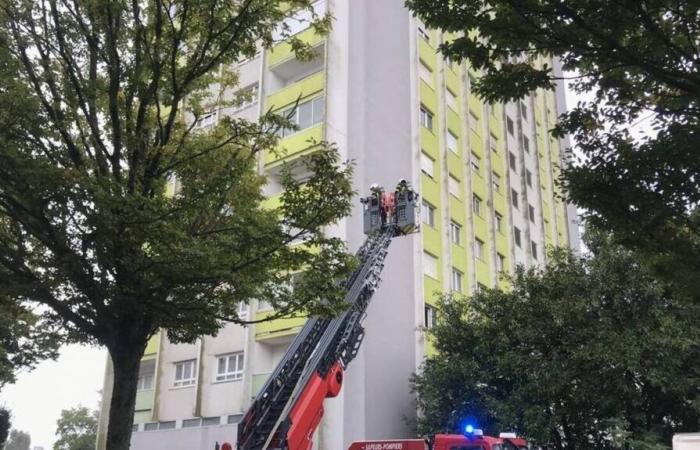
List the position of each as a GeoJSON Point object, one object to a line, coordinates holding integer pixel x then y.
{"type": "Point", "coordinates": [444, 442]}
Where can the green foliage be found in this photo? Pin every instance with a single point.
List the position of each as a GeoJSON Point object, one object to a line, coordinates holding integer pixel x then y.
{"type": "Point", "coordinates": [5, 423]}
{"type": "Point", "coordinates": [637, 60]}
{"type": "Point", "coordinates": [76, 429]}
{"type": "Point", "coordinates": [587, 352]}
{"type": "Point", "coordinates": [25, 339]}
{"type": "Point", "coordinates": [119, 213]}
{"type": "Point", "coordinates": [19, 440]}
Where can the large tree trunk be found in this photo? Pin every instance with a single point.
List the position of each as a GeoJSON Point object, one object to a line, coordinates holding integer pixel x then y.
{"type": "Point", "coordinates": [126, 362]}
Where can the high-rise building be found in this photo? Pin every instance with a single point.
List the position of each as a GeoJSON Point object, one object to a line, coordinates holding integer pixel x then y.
{"type": "Point", "coordinates": [486, 173]}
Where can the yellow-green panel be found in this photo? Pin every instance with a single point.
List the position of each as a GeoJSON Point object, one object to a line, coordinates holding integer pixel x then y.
{"type": "Point", "coordinates": [459, 257]}
{"type": "Point", "coordinates": [475, 105]}
{"type": "Point", "coordinates": [259, 381]}
{"type": "Point", "coordinates": [298, 144]}
{"type": "Point", "coordinates": [142, 416]}
{"type": "Point", "coordinates": [283, 51]}
{"type": "Point", "coordinates": [431, 239]}
{"type": "Point", "coordinates": [145, 400]}
{"type": "Point", "coordinates": [453, 123]}
{"type": "Point", "coordinates": [302, 89]}
{"type": "Point", "coordinates": [429, 99]}
{"type": "Point", "coordinates": [499, 200]}
{"type": "Point", "coordinates": [426, 53]}
{"type": "Point", "coordinates": [475, 143]}
{"type": "Point", "coordinates": [479, 188]}
{"type": "Point", "coordinates": [152, 346]}
{"type": "Point", "coordinates": [456, 206]}
{"type": "Point", "coordinates": [276, 328]}
{"type": "Point", "coordinates": [481, 229]}
{"type": "Point", "coordinates": [431, 288]}
{"type": "Point", "coordinates": [452, 81]}
{"type": "Point", "coordinates": [430, 191]}
{"type": "Point", "coordinates": [455, 164]}
{"type": "Point", "coordinates": [483, 275]}
{"type": "Point", "coordinates": [429, 143]}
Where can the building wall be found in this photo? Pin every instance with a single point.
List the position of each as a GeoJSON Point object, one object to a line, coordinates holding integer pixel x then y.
{"type": "Point", "coordinates": [374, 73]}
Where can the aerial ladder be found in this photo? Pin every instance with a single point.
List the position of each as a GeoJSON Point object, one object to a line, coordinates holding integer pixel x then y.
{"type": "Point", "coordinates": [289, 407]}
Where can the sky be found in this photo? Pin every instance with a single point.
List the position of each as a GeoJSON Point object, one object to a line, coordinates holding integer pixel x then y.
{"type": "Point", "coordinates": [37, 398]}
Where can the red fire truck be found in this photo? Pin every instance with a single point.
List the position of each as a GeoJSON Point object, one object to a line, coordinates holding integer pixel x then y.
{"type": "Point", "coordinates": [289, 407]}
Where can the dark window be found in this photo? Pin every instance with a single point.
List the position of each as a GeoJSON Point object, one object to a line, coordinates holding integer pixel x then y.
{"type": "Point", "coordinates": [510, 126]}
{"type": "Point", "coordinates": [516, 236]}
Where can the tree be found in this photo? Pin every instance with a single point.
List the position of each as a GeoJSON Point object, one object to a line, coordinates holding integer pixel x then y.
{"type": "Point", "coordinates": [76, 429]}
{"type": "Point", "coordinates": [637, 60]}
{"type": "Point", "coordinates": [19, 440]}
{"type": "Point", "coordinates": [587, 352]}
{"type": "Point", "coordinates": [4, 425]}
{"type": "Point", "coordinates": [25, 339]}
{"type": "Point", "coordinates": [100, 108]}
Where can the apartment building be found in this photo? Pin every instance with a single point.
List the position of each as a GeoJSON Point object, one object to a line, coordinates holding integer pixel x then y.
{"type": "Point", "coordinates": [486, 173]}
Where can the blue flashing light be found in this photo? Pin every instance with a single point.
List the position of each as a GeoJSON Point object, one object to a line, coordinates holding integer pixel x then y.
{"type": "Point", "coordinates": [469, 429]}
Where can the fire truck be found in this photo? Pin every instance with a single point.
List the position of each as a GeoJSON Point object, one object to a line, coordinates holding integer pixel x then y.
{"type": "Point", "coordinates": [289, 407]}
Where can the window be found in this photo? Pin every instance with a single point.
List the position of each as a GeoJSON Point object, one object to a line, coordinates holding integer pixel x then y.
{"type": "Point", "coordinates": [451, 99]}
{"type": "Point", "coordinates": [514, 198]}
{"type": "Point", "coordinates": [493, 143]}
{"type": "Point", "coordinates": [191, 423]}
{"type": "Point", "coordinates": [476, 163]}
{"type": "Point", "coordinates": [526, 144]}
{"type": "Point", "coordinates": [528, 177]}
{"type": "Point", "coordinates": [428, 214]}
{"type": "Point", "coordinates": [498, 222]}
{"type": "Point", "coordinates": [478, 248]}
{"type": "Point", "coordinates": [422, 32]}
{"type": "Point", "coordinates": [428, 316]}
{"type": "Point", "coordinates": [169, 425]}
{"type": "Point", "coordinates": [531, 213]}
{"type": "Point", "coordinates": [305, 115]}
{"type": "Point", "coordinates": [453, 186]}
{"type": "Point", "coordinates": [242, 310]}
{"type": "Point", "coordinates": [533, 247]}
{"type": "Point", "coordinates": [209, 421]}
{"type": "Point", "coordinates": [494, 109]}
{"type": "Point", "coordinates": [500, 262]}
{"type": "Point", "coordinates": [496, 181]}
{"type": "Point", "coordinates": [430, 265]}
{"type": "Point", "coordinates": [150, 426]}
{"type": "Point", "coordinates": [523, 110]}
{"type": "Point", "coordinates": [427, 164]}
{"type": "Point", "coordinates": [476, 204]}
{"type": "Point", "coordinates": [230, 367]}
{"type": "Point", "coordinates": [452, 142]}
{"type": "Point", "coordinates": [185, 373]}
{"type": "Point", "coordinates": [516, 236]}
{"type": "Point", "coordinates": [473, 122]}
{"type": "Point", "coordinates": [207, 120]}
{"type": "Point", "coordinates": [425, 72]}
{"type": "Point", "coordinates": [426, 118]}
{"type": "Point", "coordinates": [455, 233]}
{"type": "Point", "coordinates": [510, 126]}
{"type": "Point", "coordinates": [456, 282]}
{"type": "Point", "coordinates": [145, 381]}
{"type": "Point", "coordinates": [247, 96]}
{"type": "Point", "coordinates": [234, 418]}
{"type": "Point", "coordinates": [449, 63]}
{"type": "Point", "coordinates": [513, 160]}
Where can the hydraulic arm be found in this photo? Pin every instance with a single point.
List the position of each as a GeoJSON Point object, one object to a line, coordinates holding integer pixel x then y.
{"type": "Point", "coordinates": [289, 407]}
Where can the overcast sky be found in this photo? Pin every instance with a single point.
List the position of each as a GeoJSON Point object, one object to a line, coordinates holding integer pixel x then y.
{"type": "Point", "coordinates": [38, 397]}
